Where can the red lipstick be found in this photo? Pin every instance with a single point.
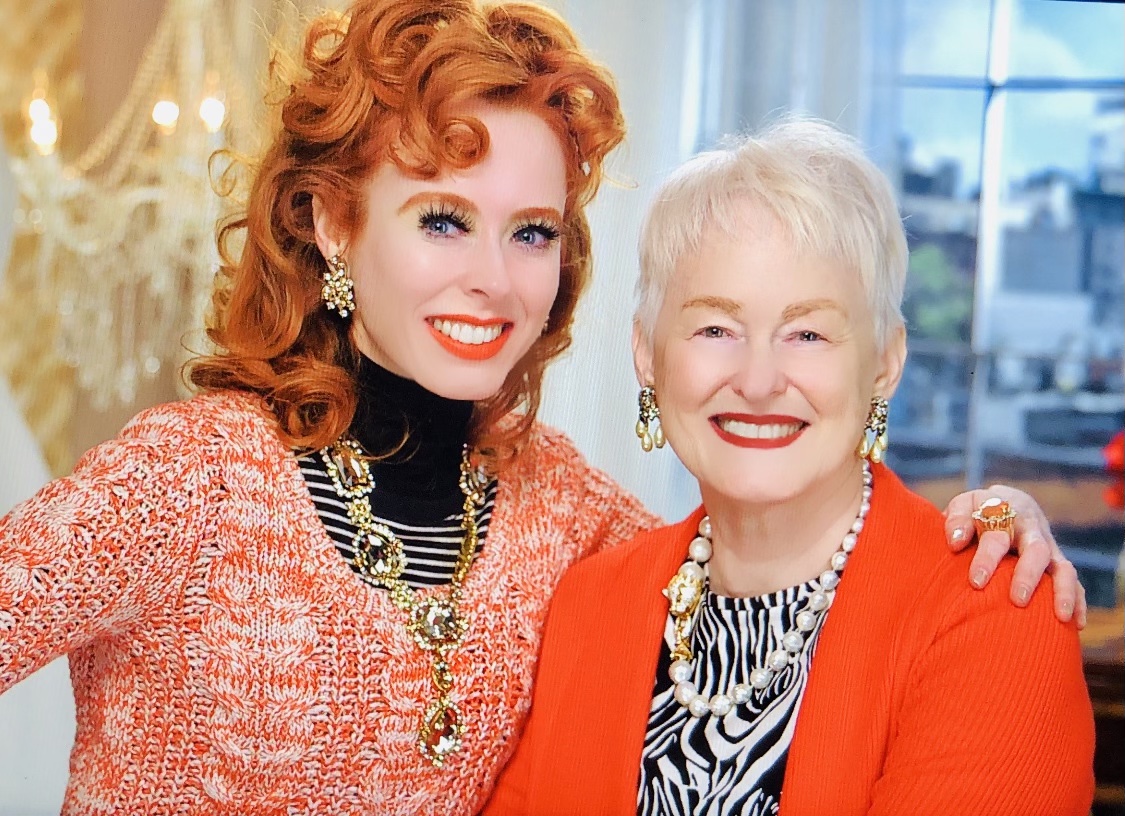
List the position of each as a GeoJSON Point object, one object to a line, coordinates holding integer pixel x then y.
{"type": "Point", "coordinates": [471, 351]}
{"type": "Point", "coordinates": [758, 419]}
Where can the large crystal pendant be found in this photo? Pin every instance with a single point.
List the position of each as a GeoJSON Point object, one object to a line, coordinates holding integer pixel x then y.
{"type": "Point", "coordinates": [440, 734]}
{"type": "Point", "coordinates": [436, 625]}
{"type": "Point", "coordinates": [378, 554]}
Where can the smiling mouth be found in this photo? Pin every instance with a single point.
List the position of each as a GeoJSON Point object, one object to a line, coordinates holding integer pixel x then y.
{"type": "Point", "coordinates": [470, 339]}
{"type": "Point", "coordinates": [758, 434]}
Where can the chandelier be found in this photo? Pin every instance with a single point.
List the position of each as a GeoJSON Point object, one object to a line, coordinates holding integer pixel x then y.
{"type": "Point", "coordinates": [123, 237]}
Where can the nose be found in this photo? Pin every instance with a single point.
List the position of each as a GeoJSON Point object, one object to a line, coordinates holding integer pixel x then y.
{"type": "Point", "coordinates": [759, 374]}
{"type": "Point", "coordinates": [487, 273]}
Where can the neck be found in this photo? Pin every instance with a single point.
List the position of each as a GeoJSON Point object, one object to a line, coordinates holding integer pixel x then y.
{"type": "Point", "coordinates": [416, 435]}
{"type": "Point", "coordinates": [759, 549]}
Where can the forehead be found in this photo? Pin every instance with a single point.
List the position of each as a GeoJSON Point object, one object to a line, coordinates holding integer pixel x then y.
{"type": "Point", "coordinates": [752, 261]}
{"type": "Point", "coordinates": [524, 166]}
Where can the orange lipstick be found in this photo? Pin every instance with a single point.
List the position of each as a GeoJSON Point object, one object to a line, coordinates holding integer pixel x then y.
{"type": "Point", "coordinates": [471, 351]}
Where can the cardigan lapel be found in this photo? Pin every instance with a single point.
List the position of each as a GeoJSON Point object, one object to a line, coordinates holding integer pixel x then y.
{"type": "Point", "coordinates": [630, 645]}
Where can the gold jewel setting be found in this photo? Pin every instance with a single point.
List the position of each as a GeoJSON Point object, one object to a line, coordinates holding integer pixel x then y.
{"type": "Point", "coordinates": [435, 623]}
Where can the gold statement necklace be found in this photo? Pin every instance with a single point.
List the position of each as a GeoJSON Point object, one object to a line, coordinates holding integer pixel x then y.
{"type": "Point", "coordinates": [436, 624]}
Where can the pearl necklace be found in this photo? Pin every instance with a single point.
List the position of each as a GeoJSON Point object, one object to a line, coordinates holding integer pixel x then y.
{"type": "Point", "coordinates": [685, 591]}
{"type": "Point", "coordinates": [437, 624]}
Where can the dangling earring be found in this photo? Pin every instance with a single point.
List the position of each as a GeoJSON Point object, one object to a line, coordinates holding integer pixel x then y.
{"type": "Point", "coordinates": [339, 291]}
{"type": "Point", "coordinates": [874, 443]}
{"type": "Point", "coordinates": [649, 429]}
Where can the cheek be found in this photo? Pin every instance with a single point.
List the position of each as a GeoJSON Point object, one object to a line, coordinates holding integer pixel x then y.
{"type": "Point", "coordinates": [538, 287]}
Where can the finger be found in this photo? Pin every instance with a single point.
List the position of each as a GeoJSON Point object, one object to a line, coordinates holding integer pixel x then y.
{"type": "Point", "coordinates": [1035, 558]}
{"type": "Point", "coordinates": [1066, 588]}
{"type": "Point", "coordinates": [1029, 515]}
{"type": "Point", "coordinates": [993, 546]}
{"type": "Point", "coordinates": [1080, 607]}
{"type": "Point", "coordinates": [959, 529]}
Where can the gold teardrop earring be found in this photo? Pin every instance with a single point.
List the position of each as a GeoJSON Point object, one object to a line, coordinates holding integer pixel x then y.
{"type": "Point", "coordinates": [873, 446]}
{"type": "Point", "coordinates": [649, 429]}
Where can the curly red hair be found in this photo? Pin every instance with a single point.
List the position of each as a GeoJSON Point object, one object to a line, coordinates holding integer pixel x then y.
{"type": "Point", "coordinates": [390, 81]}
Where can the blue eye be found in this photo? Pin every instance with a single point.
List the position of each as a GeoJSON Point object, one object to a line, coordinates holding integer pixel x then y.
{"type": "Point", "coordinates": [809, 336]}
{"type": "Point", "coordinates": [536, 235]}
{"type": "Point", "coordinates": [444, 221]}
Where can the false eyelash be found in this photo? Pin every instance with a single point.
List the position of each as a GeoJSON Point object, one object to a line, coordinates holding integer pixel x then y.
{"type": "Point", "coordinates": [549, 230]}
{"type": "Point", "coordinates": [445, 212]}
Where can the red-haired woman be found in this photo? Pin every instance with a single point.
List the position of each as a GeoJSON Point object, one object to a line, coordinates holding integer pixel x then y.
{"type": "Point", "coordinates": [318, 586]}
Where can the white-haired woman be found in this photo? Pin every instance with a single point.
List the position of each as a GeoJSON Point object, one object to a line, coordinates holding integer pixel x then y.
{"type": "Point", "coordinates": [804, 642]}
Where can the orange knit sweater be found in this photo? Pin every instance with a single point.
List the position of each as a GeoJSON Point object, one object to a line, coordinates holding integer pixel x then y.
{"type": "Point", "coordinates": [226, 660]}
{"type": "Point", "coordinates": [924, 696]}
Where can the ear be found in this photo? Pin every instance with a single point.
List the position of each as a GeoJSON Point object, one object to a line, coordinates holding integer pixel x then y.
{"type": "Point", "coordinates": [642, 355]}
{"type": "Point", "coordinates": [891, 362]}
{"type": "Point", "coordinates": [328, 237]}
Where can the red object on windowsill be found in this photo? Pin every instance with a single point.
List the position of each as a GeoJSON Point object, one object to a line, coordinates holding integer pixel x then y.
{"type": "Point", "coordinates": [1114, 454]}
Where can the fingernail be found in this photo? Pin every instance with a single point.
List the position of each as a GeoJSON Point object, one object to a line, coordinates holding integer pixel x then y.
{"type": "Point", "coordinates": [979, 576]}
{"type": "Point", "coordinates": [1082, 620]}
{"type": "Point", "coordinates": [1067, 609]}
{"type": "Point", "coordinates": [957, 534]}
{"type": "Point", "coordinates": [1023, 595]}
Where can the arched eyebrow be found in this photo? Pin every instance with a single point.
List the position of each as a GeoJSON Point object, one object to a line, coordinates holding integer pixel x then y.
{"type": "Point", "coordinates": [804, 307]}
{"type": "Point", "coordinates": [722, 304]}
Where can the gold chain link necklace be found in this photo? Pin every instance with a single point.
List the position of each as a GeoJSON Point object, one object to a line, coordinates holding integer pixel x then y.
{"type": "Point", "coordinates": [436, 624]}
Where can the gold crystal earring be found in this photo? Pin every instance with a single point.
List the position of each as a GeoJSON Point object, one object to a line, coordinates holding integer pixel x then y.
{"type": "Point", "coordinates": [649, 430]}
{"type": "Point", "coordinates": [874, 443]}
{"type": "Point", "coordinates": [339, 291]}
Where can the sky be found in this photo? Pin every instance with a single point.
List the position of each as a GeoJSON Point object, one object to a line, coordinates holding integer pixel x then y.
{"type": "Point", "coordinates": [1043, 129]}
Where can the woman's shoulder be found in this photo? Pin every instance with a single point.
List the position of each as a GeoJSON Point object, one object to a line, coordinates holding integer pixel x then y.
{"type": "Point", "coordinates": [212, 415]}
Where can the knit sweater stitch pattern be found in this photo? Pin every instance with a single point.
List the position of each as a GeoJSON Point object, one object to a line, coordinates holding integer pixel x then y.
{"type": "Point", "coordinates": [224, 658]}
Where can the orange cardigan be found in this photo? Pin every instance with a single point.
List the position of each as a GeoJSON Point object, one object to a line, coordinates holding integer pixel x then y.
{"type": "Point", "coordinates": [924, 696]}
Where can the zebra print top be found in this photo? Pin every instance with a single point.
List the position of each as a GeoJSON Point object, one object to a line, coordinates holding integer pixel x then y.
{"type": "Point", "coordinates": [730, 766]}
{"type": "Point", "coordinates": [429, 525]}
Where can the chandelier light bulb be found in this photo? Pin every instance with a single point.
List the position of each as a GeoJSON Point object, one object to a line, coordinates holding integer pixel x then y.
{"type": "Point", "coordinates": [166, 113]}
{"type": "Point", "coordinates": [212, 111]}
{"type": "Point", "coordinates": [44, 135]}
{"type": "Point", "coordinates": [38, 110]}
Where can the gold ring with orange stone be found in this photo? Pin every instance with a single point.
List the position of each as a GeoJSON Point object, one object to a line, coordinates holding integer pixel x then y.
{"type": "Point", "coordinates": [995, 515]}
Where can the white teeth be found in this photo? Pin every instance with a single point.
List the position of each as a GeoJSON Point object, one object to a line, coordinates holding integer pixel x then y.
{"type": "Point", "coordinates": [468, 334]}
{"type": "Point", "coordinates": [749, 430]}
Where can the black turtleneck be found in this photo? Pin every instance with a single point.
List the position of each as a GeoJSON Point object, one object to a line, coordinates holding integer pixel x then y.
{"type": "Point", "coordinates": [392, 409]}
{"type": "Point", "coordinates": [416, 492]}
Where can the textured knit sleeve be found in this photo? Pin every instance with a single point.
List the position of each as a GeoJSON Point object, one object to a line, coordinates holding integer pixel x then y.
{"type": "Point", "coordinates": [996, 718]}
{"type": "Point", "coordinates": [96, 551]}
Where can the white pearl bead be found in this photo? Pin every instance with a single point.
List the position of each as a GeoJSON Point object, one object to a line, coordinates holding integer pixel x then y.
{"type": "Point", "coordinates": [685, 692]}
{"type": "Point", "coordinates": [705, 526]}
{"type": "Point", "coordinates": [679, 671]}
{"type": "Point", "coordinates": [720, 705]}
{"type": "Point", "coordinates": [829, 579]}
{"type": "Point", "coordinates": [793, 641]}
{"type": "Point", "coordinates": [699, 550]}
{"type": "Point", "coordinates": [818, 601]}
{"type": "Point", "coordinates": [760, 678]}
{"type": "Point", "coordinates": [866, 492]}
{"type": "Point", "coordinates": [848, 544]}
{"type": "Point", "coordinates": [698, 706]}
{"type": "Point", "coordinates": [839, 560]}
{"type": "Point", "coordinates": [806, 620]}
{"type": "Point", "coordinates": [741, 693]}
{"type": "Point", "coordinates": [690, 569]}
{"type": "Point", "coordinates": [857, 526]}
{"type": "Point", "coordinates": [777, 659]}
{"type": "Point", "coordinates": [864, 508]}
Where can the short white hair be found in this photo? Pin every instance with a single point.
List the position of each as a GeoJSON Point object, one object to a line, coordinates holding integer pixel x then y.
{"type": "Point", "coordinates": [829, 197]}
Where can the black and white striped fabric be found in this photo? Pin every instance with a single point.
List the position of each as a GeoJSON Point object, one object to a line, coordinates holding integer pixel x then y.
{"type": "Point", "coordinates": [734, 765]}
{"type": "Point", "coordinates": [429, 525]}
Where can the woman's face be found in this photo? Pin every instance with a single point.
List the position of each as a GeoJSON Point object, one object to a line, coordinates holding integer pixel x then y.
{"type": "Point", "coordinates": [455, 276]}
{"type": "Point", "coordinates": [764, 364]}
